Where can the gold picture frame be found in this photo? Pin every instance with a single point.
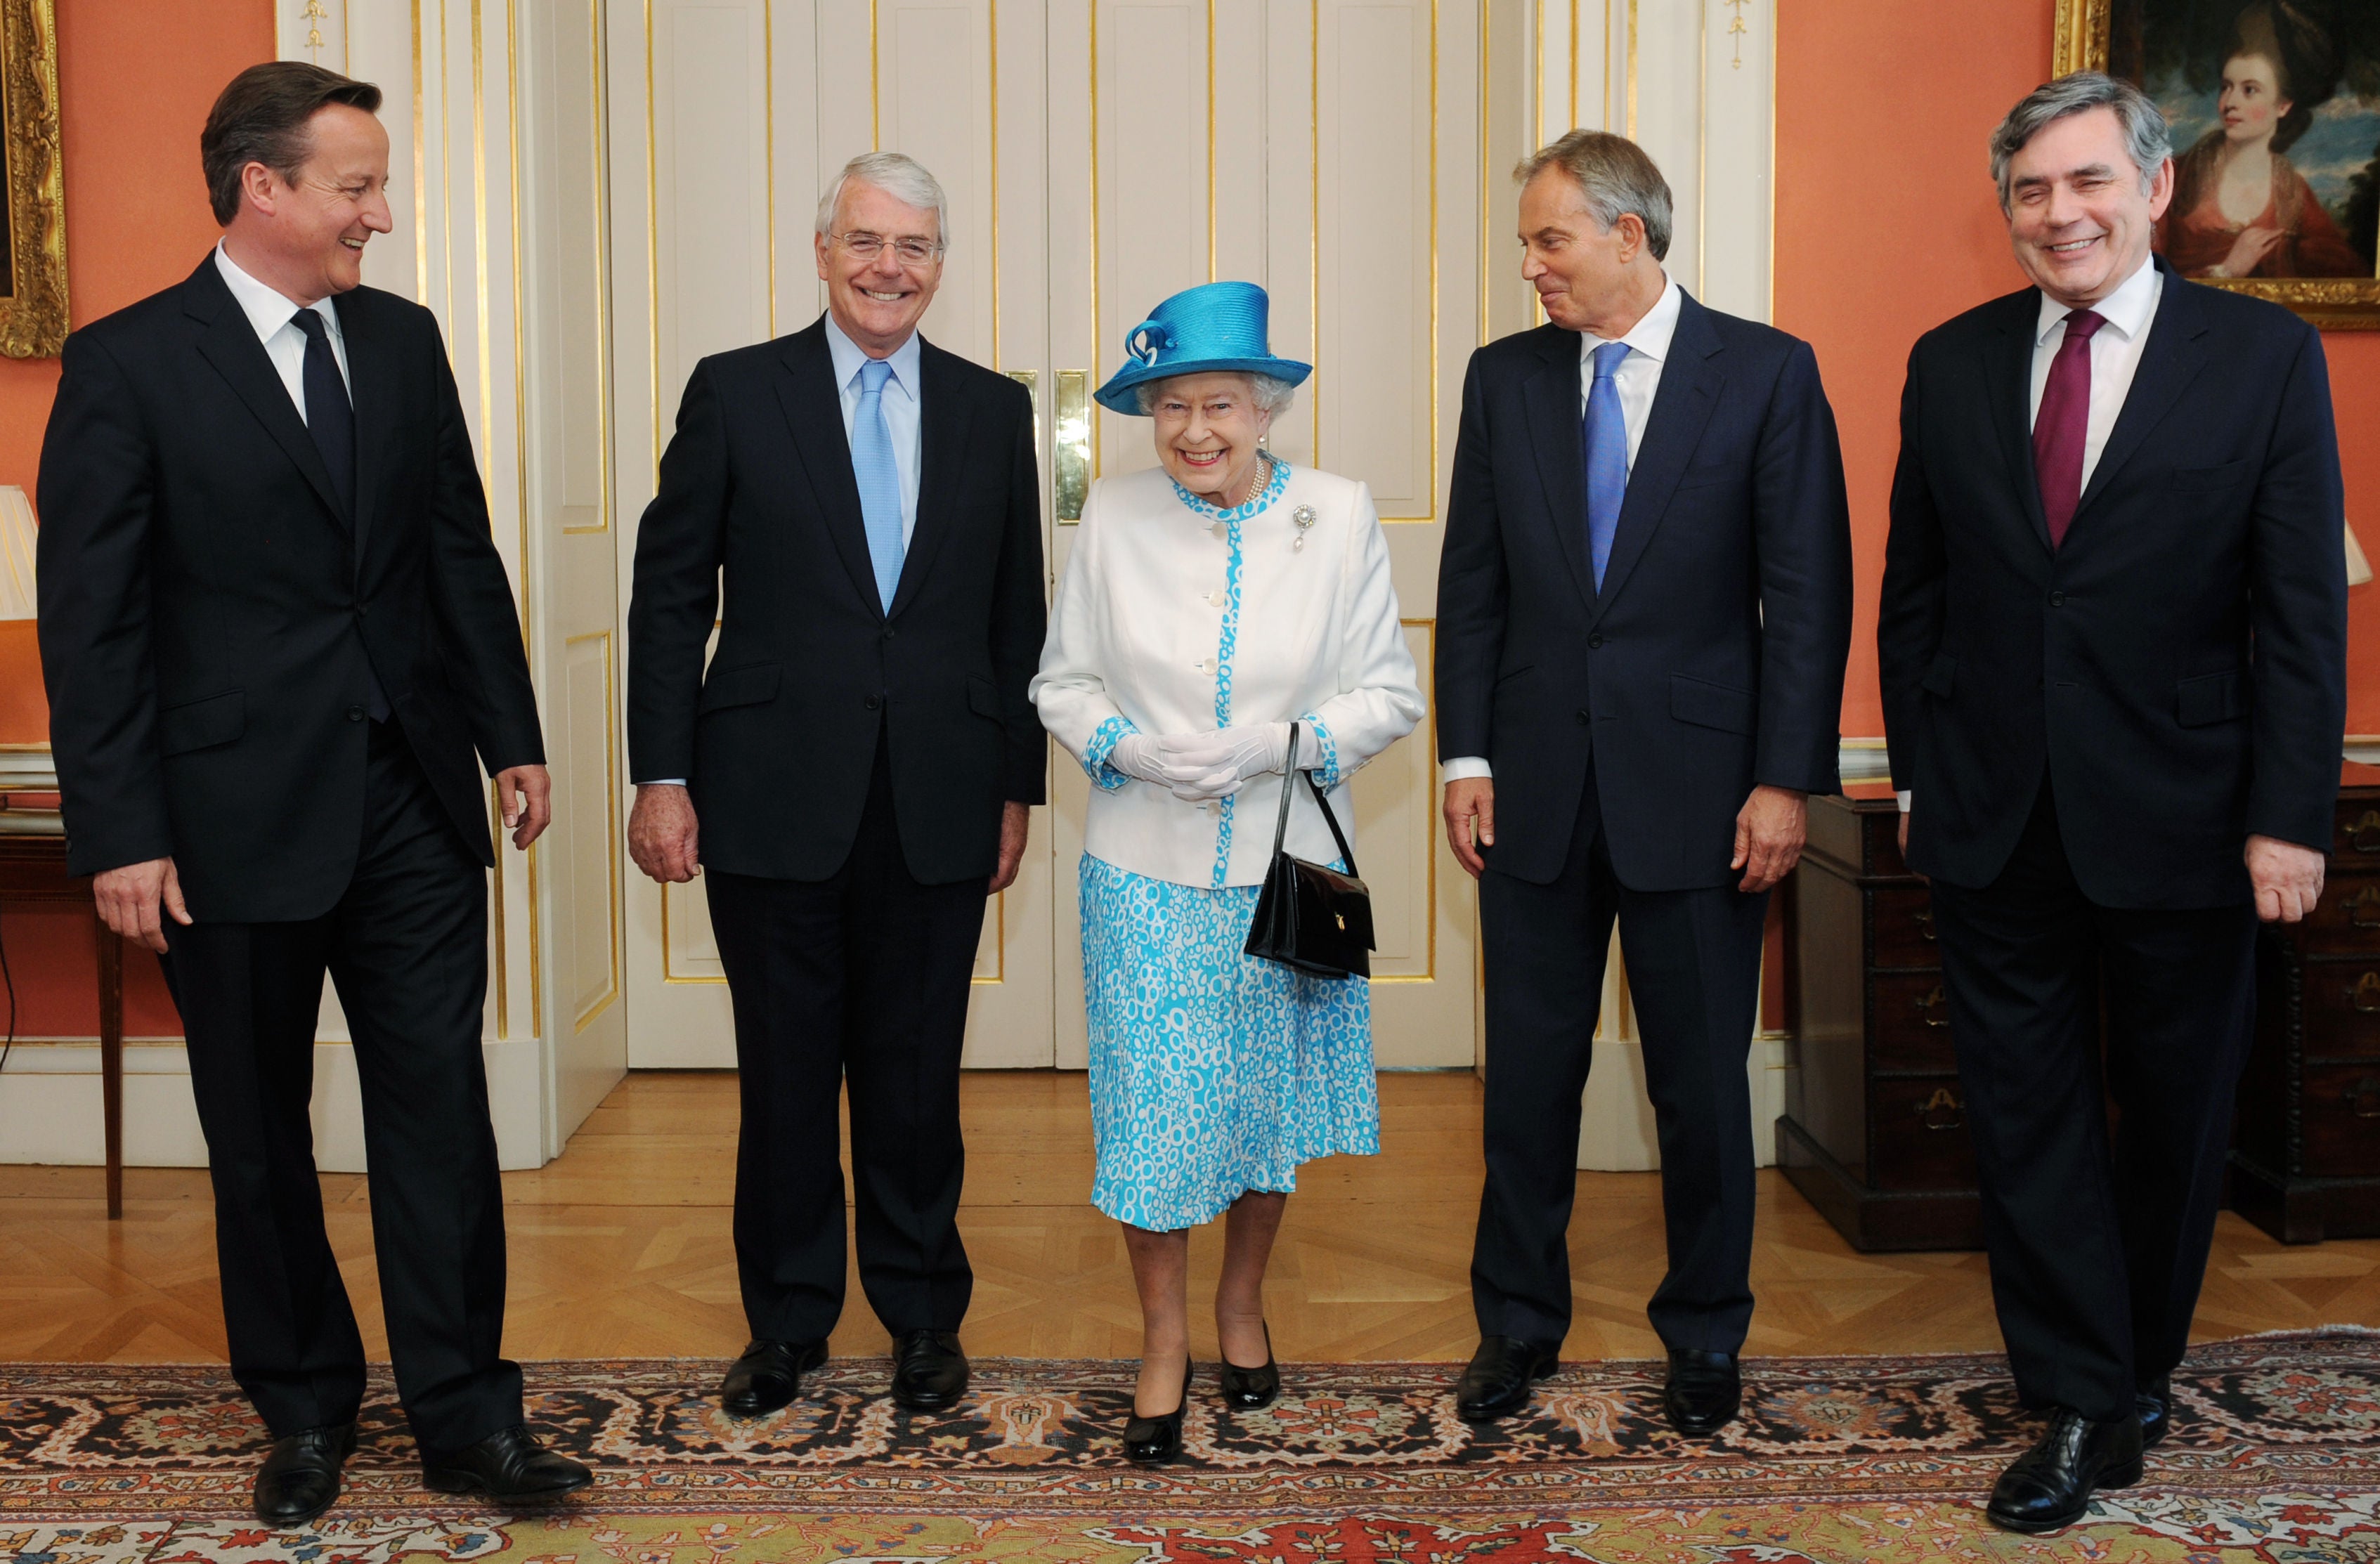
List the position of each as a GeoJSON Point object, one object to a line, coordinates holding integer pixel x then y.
{"type": "Point", "coordinates": [33, 224]}
{"type": "Point", "coordinates": [2083, 31]}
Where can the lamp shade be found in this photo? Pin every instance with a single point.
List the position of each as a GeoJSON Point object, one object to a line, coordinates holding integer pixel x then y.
{"type": "Point", "coordinates": [16, 553]}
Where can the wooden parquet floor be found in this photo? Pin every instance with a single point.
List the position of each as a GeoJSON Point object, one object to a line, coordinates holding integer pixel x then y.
{"type": "Point", "coordinates": [621, 1247]}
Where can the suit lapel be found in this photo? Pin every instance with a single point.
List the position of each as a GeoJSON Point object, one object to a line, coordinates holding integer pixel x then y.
{"type": "Point", "coordinates": [2170, 359]}
{"type": "Point", "coordinates": [812, 404]}
{"type": "Point", "coordinates": [1681, 407]}
{"type": "Point", "coordinates": [944, 415]}
{"type": "Point", "coordinates": [372, 396]}
{"type": "Point", "coordinates": [228, 343]}
{"type": "Point", "coordinates": [2007, 383]}
{"type": "Point", "coordinates": [1550, 396]}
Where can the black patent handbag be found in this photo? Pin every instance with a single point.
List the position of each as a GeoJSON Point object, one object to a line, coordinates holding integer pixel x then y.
{"type": "Point", "coordinates": [1310, 916]}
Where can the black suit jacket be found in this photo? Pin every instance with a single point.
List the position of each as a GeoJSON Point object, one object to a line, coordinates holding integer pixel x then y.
{"type": "Point", "coordinates": [778, 739]}
{"type": "Point", "coordinates": [2177, 667]}
{"type": "Point", "coordinates": [1713, 657]}
{"type": "Point", "coordinates": [212, 615]}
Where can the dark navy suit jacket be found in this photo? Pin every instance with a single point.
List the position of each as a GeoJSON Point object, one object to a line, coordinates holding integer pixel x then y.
{"type": "Point", "coordinates": [2178, 666]}
{"type": "Point", "coordinates": [1712, 660]}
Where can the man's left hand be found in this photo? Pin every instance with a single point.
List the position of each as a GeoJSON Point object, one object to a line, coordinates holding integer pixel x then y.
{"type": "Point", "coordinates": [2287, 879]}
{"type": "Point", "coordinates": [525, 795]}
{"type": "Point", "coordinates": [1770, 831]}
{"type": "Point", "coordinates": [1015, 823]}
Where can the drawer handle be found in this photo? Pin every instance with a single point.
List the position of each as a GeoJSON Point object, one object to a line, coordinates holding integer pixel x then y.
{"type": "Point", "coordinates": [2364, 1098]}
{"type": "Point", "coordinates": [2365, 837]}
{"type": "Point", "coordinates": [2364, 908]}
{"type": "Point", "coordinates": [1943, 1111]}
{"type": "Point", "coordinates": [1932, 1003]}
{"type": "Point", "coordinates": [1923, 918]}
{"type": "Point", "coordinates": [2366, 995]}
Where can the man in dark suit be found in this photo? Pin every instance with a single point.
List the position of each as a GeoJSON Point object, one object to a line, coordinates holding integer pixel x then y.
{"type": "Point", "coordinates": [860, 755]}
{"type": "Point", "coordinates": [1644, 610]}
{"type": "Point", "coordinates": [2113, 651]}
{"type": "Point", "coordinates": [275, 630]}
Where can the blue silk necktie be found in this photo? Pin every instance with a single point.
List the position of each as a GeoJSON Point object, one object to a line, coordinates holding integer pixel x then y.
{"type": "Point", "coordinates": [1605, 440]}
{"type": "Point", "coordinates": [331, 419]}
{"type": "Point", "coordinates": [880, 480]}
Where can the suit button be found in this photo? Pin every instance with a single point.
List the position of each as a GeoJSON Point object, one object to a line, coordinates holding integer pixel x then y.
{"type": "Point", "coordinates": [874, 701]}
{"type": "Point", "coordinates": [355, 713]}
{"type": "Point", "coordinates": [1584, 718]}
{"type": "Point", "coordinates": [888, 633]}
{"type": "Point", "coordinates": [2057, 599]}
{"type": "Point", "coordinates": [1594, 643]}
{"type": "Point", "coordinates": [363, 611]}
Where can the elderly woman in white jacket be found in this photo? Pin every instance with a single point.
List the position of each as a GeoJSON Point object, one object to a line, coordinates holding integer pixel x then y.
{"type": "Point", "coordinates": [1208, 604]}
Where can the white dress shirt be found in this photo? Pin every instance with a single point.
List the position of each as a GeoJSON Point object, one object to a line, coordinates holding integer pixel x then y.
{"type": "Point", "coordinates": [1638, 381]}
{"type": "Point", "coordinates": [275, 314]}
{"type": "Point", "coordinates": [1169, 622]}
{"type": "Point", "coordinates": [902, 401]}
{"type": "Point", "coordinates": [2115, 356]}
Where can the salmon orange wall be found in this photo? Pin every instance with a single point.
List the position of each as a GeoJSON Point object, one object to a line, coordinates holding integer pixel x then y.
{"type": "Point", "coordinates": [1886, 225]}
{"type": "Point", "coordinates": [135, 81]}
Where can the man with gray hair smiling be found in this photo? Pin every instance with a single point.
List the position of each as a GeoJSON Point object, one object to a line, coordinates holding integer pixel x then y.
{"type": "Point", "coordinates": [851, 772]}
{"type": "Point", "coordinates": [1644, 606]}
{"type": "Point", "coordinates": [2112, 643]}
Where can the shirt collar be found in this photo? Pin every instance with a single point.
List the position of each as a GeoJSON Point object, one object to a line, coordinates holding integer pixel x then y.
{"type": "Point", "coordinates": [848, 356]}
{"type": "Point", "coordinates": [267, 309]}
{"type": "Point", "coordinates": [2126, 310]}
{"type": "Point", "coordinates": [1650, 335]}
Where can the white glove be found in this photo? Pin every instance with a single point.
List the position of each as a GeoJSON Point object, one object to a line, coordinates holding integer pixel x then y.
{"type": "Point", "coordinates": [1217, 765]}
{"type": "Point", "coordinates": [1140, 757]}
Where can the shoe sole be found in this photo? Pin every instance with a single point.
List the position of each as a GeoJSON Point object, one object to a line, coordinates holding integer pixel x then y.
{"type": "Point", "coordinates": [1500, 1412]}
{"type": "Point", "coordinates": [466, 1482]}
{"type": "Point", "coordinates": [929, 1403]}
{"type": "Point", "coordinates": [284, 1521]}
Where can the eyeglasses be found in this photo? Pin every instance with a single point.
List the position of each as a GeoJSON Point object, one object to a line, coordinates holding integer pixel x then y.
{"type": "Point", "coordinates": [868, 247]}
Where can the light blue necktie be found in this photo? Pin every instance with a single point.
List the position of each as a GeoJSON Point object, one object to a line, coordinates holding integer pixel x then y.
{"type": "Point", "coordinates": [1606, 457]}
{"type": "Point", "coordinates": [879, 478]}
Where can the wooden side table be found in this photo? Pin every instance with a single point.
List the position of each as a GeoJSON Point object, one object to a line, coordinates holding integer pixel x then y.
{"type": "Point", "coordinates": [33, 871]}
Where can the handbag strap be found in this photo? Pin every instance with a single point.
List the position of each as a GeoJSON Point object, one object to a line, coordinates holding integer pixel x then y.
{"type": "Point", "coordinates": [1289, 791]}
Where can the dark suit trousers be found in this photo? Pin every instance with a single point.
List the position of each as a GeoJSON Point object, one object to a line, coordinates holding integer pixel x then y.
{"type": "Point", "coordinates": [1693, 968]}
{"type": "Point", "coordinates": [407, 946]}
{"type": "Point", "coordinates": [2097, 1250]}
{"type": "Point", "coordinates": [861, 978]}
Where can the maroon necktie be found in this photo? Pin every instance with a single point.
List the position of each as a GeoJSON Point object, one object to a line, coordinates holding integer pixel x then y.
{"type": "Point", "coordinates": [2063, 423]}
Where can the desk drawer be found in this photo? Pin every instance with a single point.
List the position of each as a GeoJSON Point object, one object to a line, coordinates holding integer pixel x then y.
{"type": "Point", "coordinates": [1910, 1029]}
{"type": "Point", "coordinates": [1902, 928]}
{"type": "Point", "coordinates": [1919, 1138]}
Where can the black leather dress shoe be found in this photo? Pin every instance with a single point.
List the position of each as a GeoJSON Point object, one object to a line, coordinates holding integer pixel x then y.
{"type": "Point", "coordinates": [929, 1372]}
{"type": "Point", "coordinates": [2050, 1486]}
{"type": "Point", "coordinates": [2154, 1403]}
{"type": "Point", "coordinates": [1154, 1441]}
{"type": "Point", "coordinates": [508, 1464]}
{"type": "Point", "coordinates": [1496, 1383]}
{"type": "Point", "coordinates": [768, 1375]}
{"type": "Point", "coordinates": [1704, 1393]}
{"type": "Point", "coordinates": [1252, 1390]}
{"type": "Point", "coordinates": [301, 1476]}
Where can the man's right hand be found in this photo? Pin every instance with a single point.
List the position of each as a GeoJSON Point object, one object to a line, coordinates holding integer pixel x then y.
{"type": "Point", "coordinates": [1471, 820]}
{"type": "Point", "coordinates": [661, 832]}
{"type": "Point", "coordinates": [128, 898]}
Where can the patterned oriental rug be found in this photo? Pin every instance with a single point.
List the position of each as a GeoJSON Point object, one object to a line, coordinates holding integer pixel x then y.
{"type": "Point", "coordinates": [2275, 1458]}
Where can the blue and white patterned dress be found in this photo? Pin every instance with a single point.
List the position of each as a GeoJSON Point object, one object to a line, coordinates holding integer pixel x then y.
{"type": "Point", "coordinates": [1214, 1073]}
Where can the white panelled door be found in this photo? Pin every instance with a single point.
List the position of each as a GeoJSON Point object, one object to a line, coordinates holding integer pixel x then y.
{"type": "Point", "coordinates": [1351, 156]}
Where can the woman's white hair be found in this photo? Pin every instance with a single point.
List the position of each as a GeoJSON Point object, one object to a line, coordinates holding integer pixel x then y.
{"type": "Point", "coordinates": [897, 175]}
{"type": "Point", "coordinates": [1269, 393]}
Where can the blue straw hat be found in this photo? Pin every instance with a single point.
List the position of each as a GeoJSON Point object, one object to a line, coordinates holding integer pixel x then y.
{"type": "Point", "coordinates": [1214, 326]}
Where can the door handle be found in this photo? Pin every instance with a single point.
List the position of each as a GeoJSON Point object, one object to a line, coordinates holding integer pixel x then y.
{"type": "Point", "coordinates": [1069, 444]}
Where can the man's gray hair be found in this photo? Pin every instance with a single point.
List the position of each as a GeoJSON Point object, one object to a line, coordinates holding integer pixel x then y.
{"type": "Point", "coordinates": [1269, 393]}
{"type": "Point", "coordinates": [2147, 137]}
{"type": "Point", "coordinates": [1615, 176]}
{"type": "Point", "coordinates": [897, 175]}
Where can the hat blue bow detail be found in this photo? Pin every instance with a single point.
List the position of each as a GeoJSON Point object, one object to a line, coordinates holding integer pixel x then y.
{"type": "Point", "coordinates": [1213, 327]}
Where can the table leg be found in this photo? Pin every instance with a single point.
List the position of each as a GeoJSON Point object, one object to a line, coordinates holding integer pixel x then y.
{"type": "Point", "coordinates": [110, 1060]}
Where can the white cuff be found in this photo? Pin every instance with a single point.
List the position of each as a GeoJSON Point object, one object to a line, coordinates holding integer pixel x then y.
{"type": "Point", "coordinates": [1463, 767]}
{"type": "Point", "coordinates": [680, 782]}
{"type": "Point", "coordinates": [1902, 795]}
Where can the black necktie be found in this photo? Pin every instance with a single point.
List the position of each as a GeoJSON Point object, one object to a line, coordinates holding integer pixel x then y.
{"type": "Point", "coordinates": [330, 417]}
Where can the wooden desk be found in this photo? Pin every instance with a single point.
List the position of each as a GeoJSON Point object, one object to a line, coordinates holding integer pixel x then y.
{"type": "Point", "coordinates": [33, 871]}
